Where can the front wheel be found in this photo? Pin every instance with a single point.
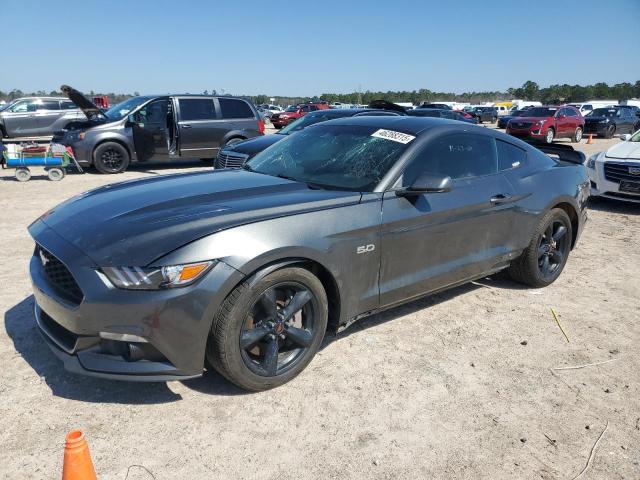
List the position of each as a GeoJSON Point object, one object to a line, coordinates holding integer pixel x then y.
{"type": "Point", "coordinates": [543, 260]}
{"type": "Point", "coordinates": [548, 138]}
{"type": "Point", "coordinates": [110, 157]}
{"type": "Point", "coordinates": [577, 136]}
{"type": "Point", "coordinates": [610, 131]}
{"type": "Point", "coordinates": [267, 333]}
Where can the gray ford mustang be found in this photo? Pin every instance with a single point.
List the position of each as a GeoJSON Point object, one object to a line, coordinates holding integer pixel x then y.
{"type": "Point", "coordinates": [245, 270]}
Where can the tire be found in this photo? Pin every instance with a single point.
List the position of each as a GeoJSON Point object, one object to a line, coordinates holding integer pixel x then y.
{"type": "Point", "coordinates": [111, 157]}
{"type": "Point", "coordinates": [610, 132]}
{"type": "Point", "coordinates": [243, 317]}
{"type": "Point", "coordinates": [23, 174]}
{"type": "Point", "coordinates": [577, 136]}
{"type": "Point", "coordinates": [549, 136]}
{"type": "Point", "coordinates": [530, 268]}
{"type": "Point", "coordinates": [56, 174]}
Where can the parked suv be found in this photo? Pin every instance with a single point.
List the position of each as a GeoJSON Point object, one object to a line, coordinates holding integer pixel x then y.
{"type": "Point", "coordinates": [547, 123]}
{"type": "Point", "coordinates": [485, 114]}
{"type": "Point", "coordinates": [158, 128]}
{"type": "Point", "coordinates": [294, 112]}
{"type": "Point", "coordinates": [606, 122]}
{"type": "Point", "coordinates": [38, 116]}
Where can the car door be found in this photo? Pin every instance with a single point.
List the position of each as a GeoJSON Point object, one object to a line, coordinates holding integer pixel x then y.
{"type": "Point", "coordinates": [20, 119]}
{"type": "Point", "coordinates": [47, 114]}
{"type": "Point", "coordinates": [150, 131]}
{"type": "Point", "coordinates": [629, 119]}
{"type": "Point", "coordinates": [435, 240]}
{"type": "Point", "coordinates": [563, 123]}
{"type": "Point", "coordinates": [200, 129]}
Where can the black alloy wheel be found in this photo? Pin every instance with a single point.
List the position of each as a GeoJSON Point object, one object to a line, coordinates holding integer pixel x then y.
{"type": "Point", "coordinates": [111, 157]}
{"type": "Point", "coordinates": [279, 329]}
{"type": "Point", "coordinates": [553, 248]}
{"type": "Point", "coordinates": [268, 329]}
{"type": "Point", "coordinates": [610, 132]}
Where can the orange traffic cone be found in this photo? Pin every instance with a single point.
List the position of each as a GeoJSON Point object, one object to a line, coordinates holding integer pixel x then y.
{"type": "Point", "coordinates": [77, 460]}
{"type": "Point", "coordinates": [590, 141]}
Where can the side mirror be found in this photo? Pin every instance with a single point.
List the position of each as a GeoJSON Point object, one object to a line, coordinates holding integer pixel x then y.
{"type": "Point", "coordinates": [625, 137]}
{"type": "Point", "coordinates": [426, 183]}
{"type": "Point", "coordinates": [132, 121]}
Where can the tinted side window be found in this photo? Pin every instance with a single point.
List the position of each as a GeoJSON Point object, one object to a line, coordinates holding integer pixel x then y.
{"type": "Point", "coordinates": [461, 155]}
{"type": "Point", "coordinates": [49, 105]}
{"type": "Point", "coordinates": [232, 108]}
{"type": "Point", "coordinates": [197, 109]}
{"type": "Point", "coordinates": [509, 156]}
{"type": "Point", "coordinates": [67, 105]}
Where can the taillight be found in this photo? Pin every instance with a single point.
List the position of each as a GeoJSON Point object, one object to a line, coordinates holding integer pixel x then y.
{"type": "Point", "coordinates": [261, 126]}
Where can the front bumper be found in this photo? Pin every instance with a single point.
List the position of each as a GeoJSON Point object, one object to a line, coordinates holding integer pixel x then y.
{"type": "Point", "coordinates": [601, 186]}
{"type": "Point", "coordinates": [537, 133]}
{"type": "Point", "coordinates": [170, 327]}
{"type": "Point", "coordinates": [598, 129]}
{"type": "Point", "coordinates": [82, 150]}
{"type": "Point", "coordinates": [282, 122]}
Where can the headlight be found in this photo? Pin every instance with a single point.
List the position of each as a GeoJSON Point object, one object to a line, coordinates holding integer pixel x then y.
{"type": "Point", "coordinates": [156, 278]}
{"type": "Point", "coordinates": [591, 163]}
{"type": "Point", "coordinates": [284, 116]}
{"type": "Point", "coordinates": [541, 122]}
{"type": "Point", "coordinates": [604, 121]}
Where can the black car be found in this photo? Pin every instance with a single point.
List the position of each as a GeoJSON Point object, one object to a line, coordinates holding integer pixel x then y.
{"type": "Point", "coordinates": [485, 114]}
{"type": "Point", "coordinates": [441, 113]}
{"type": "Point", "coordinates": [502, 121]}
{"type": "Point", "coordinates": [606, 122]}
{"type": "Point", "coordinates": [235, 155]}
{"type": "Point", "coordinates": [440, 106]}
{"type": "Point", "coordinates": [248, 268]}
{"type": "Point", "coordinates": [157, 128]}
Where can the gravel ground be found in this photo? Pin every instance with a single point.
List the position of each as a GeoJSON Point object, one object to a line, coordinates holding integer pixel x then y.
{"type": "Point", "coordinates": [456, 385]}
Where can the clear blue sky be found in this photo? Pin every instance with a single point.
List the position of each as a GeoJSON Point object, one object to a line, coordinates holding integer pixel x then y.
{"type": "Point", "coordinates": [283, 47]}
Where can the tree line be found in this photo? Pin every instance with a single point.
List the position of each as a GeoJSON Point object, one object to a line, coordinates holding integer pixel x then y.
{"type": "Point", "coordinates": [530, 90]}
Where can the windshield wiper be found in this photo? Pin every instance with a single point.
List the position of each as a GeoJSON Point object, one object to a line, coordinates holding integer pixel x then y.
{"type": "Point", "coordinates": [247, 167]}
{"type": "Point", "coordinates": [311, 185]}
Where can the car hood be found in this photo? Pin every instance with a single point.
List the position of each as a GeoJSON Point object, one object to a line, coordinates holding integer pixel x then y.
{"type": "Point", "coordinates": [531, 119]}
{"type": "Point", "coordinates": [83, 103]}
{"type": "Point", "coordinates": [625, 151]}
{"type": "Point", "coordinates": [254, 145]}
{"type": "Point", "coordinates": [136, 222]}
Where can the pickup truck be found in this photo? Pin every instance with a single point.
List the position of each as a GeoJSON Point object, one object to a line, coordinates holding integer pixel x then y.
{"type": "Point", "coordinates": [157, 128]}
{"type": "Point", "coordinates": [294, 112]}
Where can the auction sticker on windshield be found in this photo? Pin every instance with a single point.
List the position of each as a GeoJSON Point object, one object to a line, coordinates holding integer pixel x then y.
{"type": "Point", "coordinates": [391, 135]}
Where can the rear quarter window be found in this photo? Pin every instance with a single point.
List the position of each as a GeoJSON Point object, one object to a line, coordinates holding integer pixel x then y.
{"type": "Point", "coordinates": [197, 109]}
{"type": "Point", "coordinates": [233, 108]}
{"type": "Point", "coordinates": [509, 156]}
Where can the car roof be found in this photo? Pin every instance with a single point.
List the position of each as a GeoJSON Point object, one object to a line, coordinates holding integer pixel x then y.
{"type": "Point", "coordinates": [405, 124]}
{"type": "Point", "coordinates": [40, 98]}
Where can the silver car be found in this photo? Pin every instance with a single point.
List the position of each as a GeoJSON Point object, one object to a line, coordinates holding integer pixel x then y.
{"type": "Point", "coordinates": [38, 116]}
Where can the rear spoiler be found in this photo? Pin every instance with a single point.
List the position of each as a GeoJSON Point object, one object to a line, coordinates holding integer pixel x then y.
{"type": "Point", "coordinates": [564, 153]}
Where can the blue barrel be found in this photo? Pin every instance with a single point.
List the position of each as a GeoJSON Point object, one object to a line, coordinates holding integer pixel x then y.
{"type": "Point", "coordinates": [35, 162]}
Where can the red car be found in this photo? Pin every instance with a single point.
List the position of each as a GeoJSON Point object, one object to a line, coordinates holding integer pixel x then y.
{"type": "Point", "coordinates": [547, 123]}
{"type": "Point", "coordinates": [293, 113]}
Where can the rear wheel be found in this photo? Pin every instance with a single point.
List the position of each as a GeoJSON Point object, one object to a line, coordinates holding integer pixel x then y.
{"type": "Point", "coordinates": [577, 136]}
{"type": "Point", "coordinates": [610, 131]}
{"type": "Point", "coordinates": [110, 157]}
{"type": "Point", "coordinates": [548, 138]}
{"type": "Point", "coordinates": [266, 334]}
{"type": "Point", "coordinates": [543, 260]}
{"type": "Point", "coordinates": [55, 174]}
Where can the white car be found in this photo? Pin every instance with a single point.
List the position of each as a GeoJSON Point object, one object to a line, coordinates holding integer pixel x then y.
{"type": "Point", "coordinates": [616, 172]}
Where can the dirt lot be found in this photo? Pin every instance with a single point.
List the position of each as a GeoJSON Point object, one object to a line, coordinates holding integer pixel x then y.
{"type": "Point", "coordinates": [458, 385]}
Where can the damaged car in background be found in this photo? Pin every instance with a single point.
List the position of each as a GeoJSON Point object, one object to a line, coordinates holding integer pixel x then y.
{"type": "Point", "coordinates": [245, 270]}
{"type": "Point", "coordinates": [157, 128]}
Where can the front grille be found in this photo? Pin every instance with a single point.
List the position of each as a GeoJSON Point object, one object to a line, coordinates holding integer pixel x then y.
{"type": "Point", "coordinates": [615, 172]}
{"type": "Point", "coordinates": [230, 159]}
{"type": "Point", "coordinates": [626, 196]}
{"type": "Point", "coordinates": [59, 276]}
{"type": "Point", "coordinates": [60, 335]}
{"type": "Point", "coordinates": [520, 125]}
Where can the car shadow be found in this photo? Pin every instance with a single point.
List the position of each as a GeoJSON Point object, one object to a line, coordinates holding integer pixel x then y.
{"type": "Point", "coordinates": [21, 327]}
{"type": "Point", "coordinates": [609, 205]}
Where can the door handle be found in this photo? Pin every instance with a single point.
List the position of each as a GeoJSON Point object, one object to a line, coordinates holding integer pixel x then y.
{"type": "Point", "coordinates": [500, 198]}
{"type": "Point", "coordinates": [186, 126]}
